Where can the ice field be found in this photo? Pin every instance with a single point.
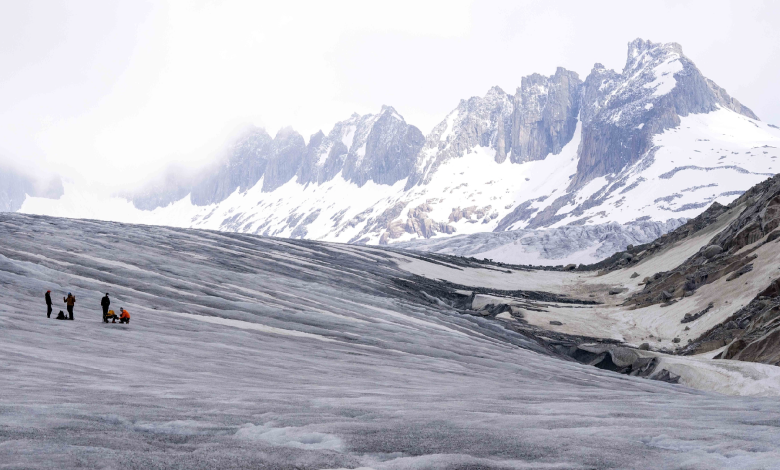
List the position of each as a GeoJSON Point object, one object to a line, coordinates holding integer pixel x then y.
{"type": "Point", "coordinates": [250, 352]}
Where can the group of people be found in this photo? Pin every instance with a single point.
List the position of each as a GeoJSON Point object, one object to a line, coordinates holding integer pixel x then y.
{"type": "Point", "coordinates": [70, 302]}
{"type": "Point", "coordinates": [124, 316]}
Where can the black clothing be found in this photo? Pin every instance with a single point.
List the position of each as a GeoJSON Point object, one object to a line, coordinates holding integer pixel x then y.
{"type": "Point", "coordinates": [70, 312]}
{"type": "Point", "coordinates": [48, 298]}
{"type": "Point", "coordinates": [105, 302]}
{"type": "Point", "coordinates": [48, 305]}
{"type": "Point", "coordinates": [124, 320]}
{"type": "Point", "coordinates": [61, 316]}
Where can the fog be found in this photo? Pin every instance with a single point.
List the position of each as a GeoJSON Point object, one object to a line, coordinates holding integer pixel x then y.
{"type": "Point", "coordinates": [110, 94]}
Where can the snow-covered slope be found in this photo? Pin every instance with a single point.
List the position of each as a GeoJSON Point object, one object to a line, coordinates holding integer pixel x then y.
{"type": "Point", "coordinates": [250, 352]}
{"type": "Point", "coordinates": [657, 141]}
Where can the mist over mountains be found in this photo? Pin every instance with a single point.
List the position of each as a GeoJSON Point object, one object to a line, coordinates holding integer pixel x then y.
{"type": "Point", "coordinates": [657, 141]}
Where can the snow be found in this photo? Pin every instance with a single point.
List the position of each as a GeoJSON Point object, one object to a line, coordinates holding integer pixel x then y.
{"type": "Point", "coordinates": [323, 156]}
{"type": "Point", "coordinates": [664, 75]}
{"type": "Point", "coordinates": [611, 319]}
{"type": "Point", "coordinates": [721, 148]}
{"type": "Point", "coordinates": [684, 154]}
{"type": "Point", "coordinates": [450, 126]}
{"type": "Point", "coordinates": [349, 136]}
{"type": "Point", "coordinates": [412, 384]}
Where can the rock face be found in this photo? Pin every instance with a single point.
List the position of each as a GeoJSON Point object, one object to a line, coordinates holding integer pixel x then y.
{"type": "Point", "coordinates": [545, 115]}
{"type": "Point", "coordinates": [381, 148]}
{"type": "Point", "coordinates": [387, 154]}
{"type": "Point", "coordinates": [647, 143]}
{"type": "Point", "coordinates": [730, 254]}
{"type": "Point", "coordinates": [621, 112]}
{"type": "Point", "coordinates": [476, 122]}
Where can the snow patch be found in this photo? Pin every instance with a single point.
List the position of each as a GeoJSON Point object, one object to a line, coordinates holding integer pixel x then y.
{"type": "Point", "coordinates": [300, 438]}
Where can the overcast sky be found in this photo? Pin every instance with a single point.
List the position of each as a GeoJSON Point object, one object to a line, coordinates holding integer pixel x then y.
{"type": "Point", "coordinates": [112, 92]}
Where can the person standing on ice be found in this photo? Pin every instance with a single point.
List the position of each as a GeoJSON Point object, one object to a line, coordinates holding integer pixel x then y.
{"type": "Point", "coordinates": [105, 302]}
{"type": "Point", "coordinates": [48, 303]}
{"type": "Point", "coordinates": [70, 301]}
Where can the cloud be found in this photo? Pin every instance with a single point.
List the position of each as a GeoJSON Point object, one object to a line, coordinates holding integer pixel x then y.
{"type": "Point", "coordinates": [111, 93]}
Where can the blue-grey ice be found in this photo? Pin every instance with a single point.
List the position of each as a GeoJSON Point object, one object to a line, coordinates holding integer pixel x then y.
{"type": "Point", "coordinates": [250, 352]}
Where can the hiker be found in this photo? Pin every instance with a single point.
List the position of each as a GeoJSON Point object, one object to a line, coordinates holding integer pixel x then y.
{"type": "Point", "coordinates": [124, 317]}
{"type": "Point", "coordinates": [61, 316]}
{"type": "Point", "coordinates": [110, 316]}
{"type": "Point", "coordinates": [70, 301]}
{"type": "Point", "coordinates": [48, 303]}
{"type": "Point", "coordinates": [105, 302]}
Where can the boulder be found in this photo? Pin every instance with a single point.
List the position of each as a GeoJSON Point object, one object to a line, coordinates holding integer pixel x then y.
{"type": "Point", "coordinates": [555, 322]}
{"type": "Point", "coordinates": [635, 275]}
{"type": "Point", "coordinates": [712, 250]}
{"type": "Point", "coordinates": [644, 346]}
{"type": "Point", "coordinates": [504, 316]}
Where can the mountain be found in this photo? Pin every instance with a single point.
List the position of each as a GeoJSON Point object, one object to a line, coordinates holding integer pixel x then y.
{"type": "Point", "coordinates": [15, 187]}
{"type": "Point", "coordinates": [656, 142]}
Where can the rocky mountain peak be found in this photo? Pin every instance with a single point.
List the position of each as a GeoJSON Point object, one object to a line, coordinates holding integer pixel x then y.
{"type": "Point", "coordinates": [639, 49]}
{"type": "Point", "coordinates": [622, 112]}
{"type": "Point", "coordinates": [545, 114]}
{"type": "Point", "coordinates": [606, 130]}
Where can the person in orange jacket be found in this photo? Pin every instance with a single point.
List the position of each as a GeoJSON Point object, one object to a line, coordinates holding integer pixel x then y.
{"type": "Point", "coordinates": [124, 317]}
{"type": "Point", "coordinates": [70, 301]}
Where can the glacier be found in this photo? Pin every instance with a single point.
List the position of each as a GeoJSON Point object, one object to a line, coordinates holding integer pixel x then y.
{"type": "Point", "coordinates": [258, 352]}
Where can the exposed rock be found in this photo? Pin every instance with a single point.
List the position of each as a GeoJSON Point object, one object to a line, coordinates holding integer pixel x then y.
{"type": "Point", "coordinates": [689, 317]}
{"type": "Point", "coordinates": [743, 270]}
{"type": "Point", "coordinates": [616, 104]}
{"type": "Point", "coordinates": [635, 275]}
{"type": "Point", "coordinates": [555, 322]}
{"type": "Point", "coordinates": [545, 115]}
{"type": "Point", "coordinates": [711, 251]}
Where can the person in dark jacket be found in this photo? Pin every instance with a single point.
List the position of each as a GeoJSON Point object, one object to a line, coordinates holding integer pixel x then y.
{"type": "Point", "coordinates": [70, 301]}
{"type": "Point", "coordinates": [105, 302]}
{"type": "Point", "coordinates": [48, 303]}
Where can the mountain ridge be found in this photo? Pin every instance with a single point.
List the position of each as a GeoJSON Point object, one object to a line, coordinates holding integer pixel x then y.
{"type": "Point", "coordinates": [614, 147]}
